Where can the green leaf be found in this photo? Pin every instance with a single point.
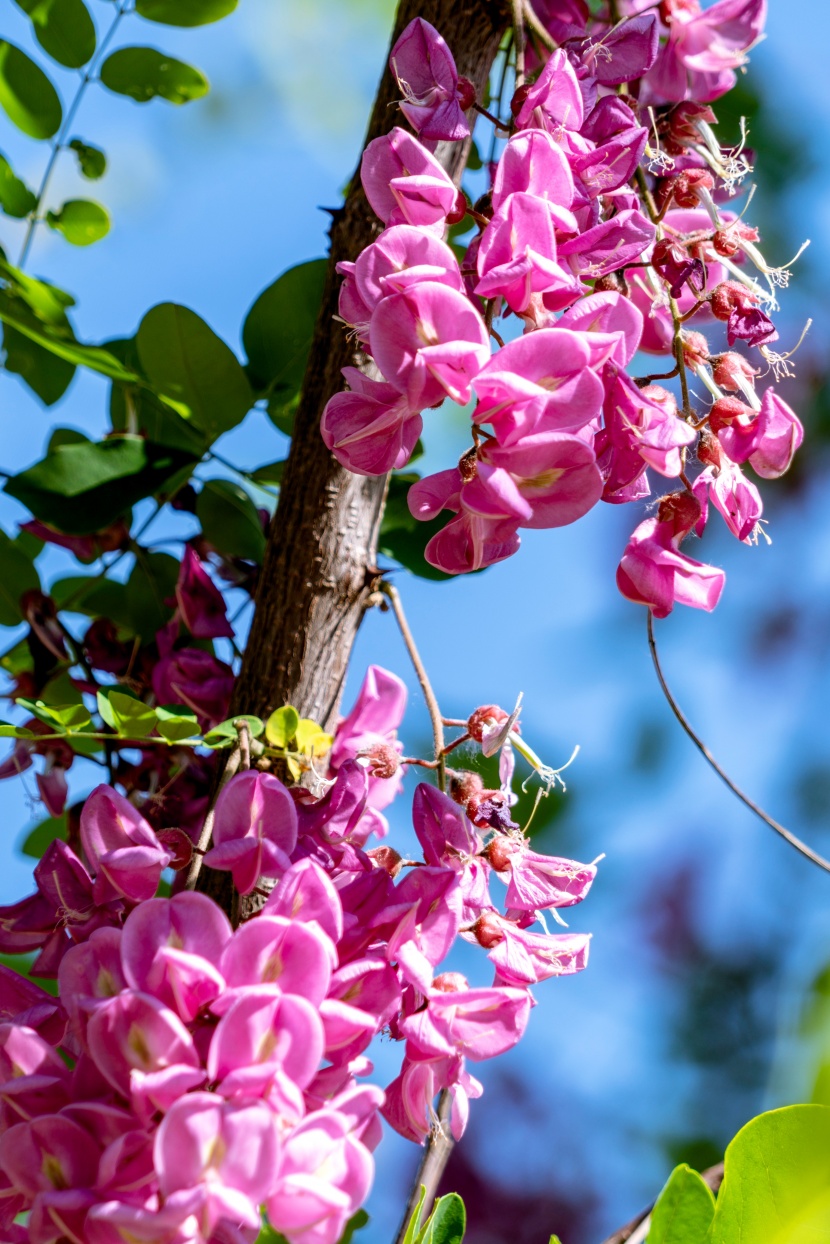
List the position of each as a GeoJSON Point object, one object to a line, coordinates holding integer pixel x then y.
{"type": "Point", "coordinates": [60, 342]}
{"type": "Point", "coordinates": [684, 1210]}
{"type": "Point", "coordinates": [404, 537]}
{"type": "Point", "coordinates": [134, 408]}
{"type": "Point", "coordinates": [776, 1185]}
{"type": "Point", "coordinates": [281, 726]}
{"type": "Point", "coordinates": [151, 583]}
{"type": "Point", "coordinates": [230, 521]}
{"type": "Point", "coordinates": [43, 835]}
{"type": "Point", "coordinates": [16, 199]}
{"type": "Point", "coordinates": [226, 733]}
{"type": "Point", "coordinates": [17, 575]}
{"type": "Point", "coordinates": [79, 489]}
{"type": "Point", "coordinates": [271, 473]}
{"type": "Point", "coordinates": [144, 73]}
{"type": "Point", "coordinates": [8, 731]}
{"type": "Point", "coordinates": [60, 716]}
{"type": "Point", "coordinates": [184, 12]}
{"type": "Point", "coordinates": [125, 713]}
{"type": "Point", "coordinates": [186, 361]}
{"type": "Point", "coordinates": [81, 221]}
{"type": "Point", "coordinates": [63, 28]}
{"type": "Point", "coordinates": [175, 722]}
{"type": "Point", "coordinates": [414, 1225]}
{"type": "Point", "coordinates": [277, 336]}
{"type": "Point", "coordinates": [356, 1223]}
{"type": "Point", "coordinates": [46, 375]}
{"type": "Point", "coordinates": [447, 1222]}
{"type": "Point", "coordinates": [26, 94]}
{"type": "Point", "coordinates": [91, 160]}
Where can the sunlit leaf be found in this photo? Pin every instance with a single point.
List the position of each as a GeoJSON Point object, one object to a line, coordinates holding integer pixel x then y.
{"type": "Point", "coordinates": [185, 12]}
{"type": "Point", "coordinates": [684, 1210]}
{"type": "Point", "coordinates": [16, 199]}
{"type": "Point", "coordinates": [144, 73]}
{"type": "Point", "coordinates": [91, 160]}
{"type": "Point", "coordinates": [81, 221]}
{"type": "Point", "coordinates": [226, 733]}
{"type": "Point", "coordinates": [26, 94]}
{"type": "Point", "coordinates": [281, 726]}
{"type": "Point", "coordinates": [175, 722]}
{"type": "Point", "coordinates": [43, 835]}
{"type": "Point", "coordinates": [63, 28]}
{"type": "Point", "coordinates": [125, 713]}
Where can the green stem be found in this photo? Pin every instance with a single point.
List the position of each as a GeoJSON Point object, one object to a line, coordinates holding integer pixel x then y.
{"type": "Point", "coordinates": [59, 142]}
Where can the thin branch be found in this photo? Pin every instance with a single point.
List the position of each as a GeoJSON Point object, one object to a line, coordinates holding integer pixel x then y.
{"type": "Point", "coordinates": [433, 1163]}
{"type": "Point", "coordinates": [231, 767]}
{"type": "Point", "coordinates": [637, 1229]}
{"type": "Point", "coordinates": [429, 695]}
{"type": "Point", "coordinates": [704, 750]}
{"type": "Point", "coordinates": [541, 33]}
{"type": "Point", "coordinates": [60, 140]}
{"type": "Point", "coordinates": [519, 40]}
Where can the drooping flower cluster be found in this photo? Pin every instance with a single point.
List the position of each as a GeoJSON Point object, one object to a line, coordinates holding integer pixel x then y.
{"type": "Point", "coordinates": [190, 1076]}
{"type": "Point", "coordinates": [602, 233]}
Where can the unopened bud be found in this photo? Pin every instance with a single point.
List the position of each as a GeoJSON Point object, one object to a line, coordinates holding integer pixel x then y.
{"type": "Point", "coordinates": [382, 760]}
{"type": "Point", "coordinates": [681, 509]}
{"type": "Point", "coordinates": [730, 368]}
{"type": "Point", "coordinates": [459, 211]}
{"type": "Point", "coordinates": [727, 296]}
{"type": "Point", "coordinates": [727, 409]}
{"type": "Point", "coordinates": [725, 243]}
{"type": "Point", "coordinates": [386, 858]}
{"type": "Point", "coordinates": [177, 842]}
{"type": "Point", "coordinates": [465, 93]}
{"type": "Point", "coordinates": [686, 186]}
{"type": "Point", "coordinates": [499, 852]}
{"type": "Point", "coordinates": [695, 348]}
{"type": "Point", "coordinates": [519, 98]}
{"type": "Point", "coordinates": [708, 450]}
{"type": "Point", "coordinates": [466, 789]}
{"type": "Point", "coordinates": [484, 718]}
{"type": "Point", "coordinates": [450, 982]}
{"type": "Point", "coordinates": [488, 930]}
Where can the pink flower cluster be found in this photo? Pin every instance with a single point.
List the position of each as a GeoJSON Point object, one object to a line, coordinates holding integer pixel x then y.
{"type": "Point", "coordinates": [593, 266]}
{"type": "Point", "coordinates": [190, 1076]}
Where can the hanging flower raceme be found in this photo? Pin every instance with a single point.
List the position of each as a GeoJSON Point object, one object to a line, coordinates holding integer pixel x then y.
{"type": "Point", "coordinates": [602, 234]}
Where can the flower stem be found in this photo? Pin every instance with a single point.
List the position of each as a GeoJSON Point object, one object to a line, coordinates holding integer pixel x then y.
{"type": "Point", "coordinates": [429, 695]}
{"type": "Point", "coordinates": [433, 1163]}
{"type": "Point", "coordinates": [231, 767]}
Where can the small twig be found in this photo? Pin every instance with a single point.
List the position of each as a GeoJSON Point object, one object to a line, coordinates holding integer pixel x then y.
{"type": "Point", "coordinates": [429, 695]}
{"type": "Point", "coordinates": [462, 738]}
{"type": "Point", "coordinates": [231, 767]}
{"type": "Point", "coordinates": [499, 125]}
{"type": "Point", "coordinates": [538, 29]}
{"type": "Point", "coordinates": [704, 750]}
{"type": "Point", "coordinates": [519, 40]}
{"type": "Point", "coordinates": [632, 1232]}
{"type": "Point", "coordinates": [243, 730]}
{"type": "Point", "coordinates": [433, 1162]}
{"type": "Point", "coordinates": [642, 381]}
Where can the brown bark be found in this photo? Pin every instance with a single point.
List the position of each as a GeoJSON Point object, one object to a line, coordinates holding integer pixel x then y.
{"type": "Point", "coordinates": [319, 567]}
{"type": "Point", "coordinates": [321, 551]}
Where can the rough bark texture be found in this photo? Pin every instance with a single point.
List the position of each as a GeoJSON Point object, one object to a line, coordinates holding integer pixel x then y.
{"type": "Point", "coordinates": [321, 552]}
{"type": "Point", "coordinates": [319, 567]}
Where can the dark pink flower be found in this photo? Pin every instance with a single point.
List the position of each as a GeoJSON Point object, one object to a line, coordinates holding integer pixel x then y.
{"type": "Point", "coordinates": [425, 71]}
{"type": "Point", "coordinates": [201, 604]}
{"type": "Point", "coordinates": [195, 678]}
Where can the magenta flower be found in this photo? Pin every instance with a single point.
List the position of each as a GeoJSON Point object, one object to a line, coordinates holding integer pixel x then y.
{"type": "Point", "coordinates": [200, 603]}
{"type": "Point", "coordinates": [402, 256]}
{"type": "Point", "coordinates": [781, 435]}
{"type": "Point", "coordinates": [429, 342]}
{"type": "Point", "coordinates": [255, 829]}
{"type": "Point", "coordinates": [195, 678]}
{"type": "Point", "coordinates": [478, 1023]}
{"type": "Point", "coordinates": [608, 312]}
{"type": "Point", "coordinates": [609, 245]}
{"type": "Point", "coordinates": [431, 901]}
{"type": "Point", "coordinates": [134, 1040]}
{"type": "Point", "coordinates": [469, 541]}
{"type": "Point", "coordinates": [550, 479]}
{"type": "Point", "coordinates": [217, 1159]}
{"type": "Point", "coordinates": [625, 52]}
{"type": "Point", "coordinates": [536, 882]}
{"type": "Point", "coordinates": [48, 1154]}
{"type": "Point", "coordinates": [306, 894]}
{"type": "Point", "coordinates": [735, 498]}
{"type": "Point", "coordinates": [642, 428]}
{"type": "Point", "coordinates": [123, 851]}
{"type": "Point", "coordinates": [522, 958]}
{"type": "Point", "coordinates": [542, 381]}
{"type": "Point", "coordinates": [408, 1107]}
{"type": "Point", "coordinates": [263, 1036]}
{"type": "Point", "coordinates": [654, 572]}
{"type": "Point", "coordinates": [292, 957]}
{"type": "Point", "coordinates": [517, 256]}
{"type": "Point", "coordinates": [704, 49]}
{"type": "Point", "coordinates": [324, 1176]}
{"type": "Point", "coordinates": [433, 98]}
{"type": "Point", "coordinates": [371, 428]}
{"type": "Point", "coordinates": [170, 949]}
{"type": "Point", "coordinates": [554, 101]}
{"type": "Point", "coordinates": [534, 163]}
{"type": "Point", "coordinates": [405, 185]}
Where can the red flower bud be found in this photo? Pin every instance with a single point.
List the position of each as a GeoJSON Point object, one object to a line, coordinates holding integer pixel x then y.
{"type": "Point", "coordinates": [466, 788]}
{"type": "Point", "coordinates": [383, 760]}
{"type": "Point", "coordinates": [450, 982]}
{"type": "Point", "coordinates": [725, 410]}
{"type": "Point", "coordinates": [727, 296]}
{"type": "Point", "coordinates": [729, 367]}
{"type": "Point", "coordinates": [695, 348]}
{"type": "Point", "coordinates": [179, 845]}
{"type": "Point", "coordinates": [681, 509]}
{"type": "Point", "coordinates": [465, 93]}
{"type": "Point", "coordinates": [499, 854]}
{"type": "Point", "coordinates": [487, 715]}
{"type": "Point", "coordinates": [487, 930]}
{"type": "Point", "coordinates": [386, 858]}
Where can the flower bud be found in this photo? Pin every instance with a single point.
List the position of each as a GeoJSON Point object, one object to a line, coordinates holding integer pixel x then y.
{"type": "Point", "coordinates": [612, 282]}
{"type": "Point", "coordinates": [466, 788]}
{"type": "Point", "coordinates": [487, 930]}
{"type": "Point", "coordinates": [661, 397]}
{"type": "Point", "coordinates": [386, 858]}
{"type": "Point", "coordinates": [459, 211]}
{"type": "Point", "coordinates": [695, 348]}
{"type": "Point", "coordinates": [177, 842]}
{"type": "Point", "coordinates": [686, 186]}
{"type": "Point", "coordinates": [450, 982]}
{"type": "Point", "coordinates": [727, 296]}
{"type": "Point", "coordinates": [382, 760]}
{"type": "Point", "coordinates": [708, 449]}
{"type": "Point", "coordinates": [487, 716]}
{"type": "Point", "coordinates": [681, 125]}
{"type": "Point", "coordinates": [728, 368]}
{"type": "Point", "coordinates": [668, 9]}
{"type": "Point", "coordinates": [725, 243]}
{"type": "Point", "coordinates": [681, 509]}
{"type": "Point", "coordinates": [725, 410]}
{"type": "Point", "coordinates": [499, 853]}
{"type": "Point", "coordinates": [465, 93]}
{"type": "Point", "coordinates": [519, 98]}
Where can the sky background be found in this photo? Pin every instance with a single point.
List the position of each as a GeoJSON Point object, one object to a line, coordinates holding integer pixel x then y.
{"type": "Point", "coordinates": [708, 930]}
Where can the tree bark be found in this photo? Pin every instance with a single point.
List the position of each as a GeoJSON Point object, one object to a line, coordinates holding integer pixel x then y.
{"type": "Point", "coordinates": [320, 559]}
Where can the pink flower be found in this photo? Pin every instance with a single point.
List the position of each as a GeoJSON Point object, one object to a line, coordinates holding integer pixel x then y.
{"type": "Point", "coordinates": [137, 1042]}
{"type": "Point", "coordinates": [704, 49]}
{"type": "Point", "coordinates": [217, 1159]}
{"type": "Point", "coordinates": [767, 439]}
{"type": "Point", "coordinates": [554, 101]}
{"type": "Point", "coordinates": [429, 342]}
{"type": "Point", "coordinates": [406, 185]}
{"type": "Point", "coordinates": [371, 428]}
{"type": "Point", "coordinates": [292, 957]}
{"type": "Point", "coordinates": [536, 882]}
{"type": "Point", "coordinates": [625, 52]}
{"type": "Point", "coordinates": [402, 256]}
{"type": "Point", "coordinates": [533, 163]}
{"type": "Point", "coordinates": [255, 829]}
{"type": "Point", "coordinates": [408, 1107]}
{"type": "Point", "coordinates": [654, 572]}
{"type": "Point", "coordinates": [263, 1036]}
{"type": "Point", "coordinates": [735, 497]}
{"type": "Point", "coordinates": [609, 245]}
{"type": "Point", "coordinates": [517, 256]}
{"type": "Point", "coordinates": [431, 901]}
{"type": "Point", "coordinates": [479, 1023]}
{"type": "Point", "coordinates": [468, 542]}
{"type": "Point", "coordinates": [642, 428]}
{"type": "Point", "coordinates": [425, 71]}
{"type": "Point", "coordinates": [170, 949]}
{"type": "Point", "coordinates": [324, 1176]}
{"type": "Point", "coordinates": [542, 381]}
{"type": "Point", "coordinates": [195, 678]}
{"type": "Point", "coordinates": [522, 958]}
{"type": "Point", "coordinates": [549, 480]}
{"type": "Point", "coordinates": [123, 850]}
{"type": "Point", "coordinates": [306, 894]}
{"type": "Point", "coordinates": [608, 312]}
{"type": "Point", "coordinates": [201, 604]}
